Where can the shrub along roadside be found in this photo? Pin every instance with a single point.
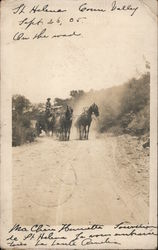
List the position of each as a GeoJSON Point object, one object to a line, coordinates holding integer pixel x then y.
{"type": "Point", "coordinates": [22, 131]}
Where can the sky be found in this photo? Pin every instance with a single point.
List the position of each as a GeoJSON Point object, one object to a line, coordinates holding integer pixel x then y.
{"type": "Point", "coordinates": [113, 48]}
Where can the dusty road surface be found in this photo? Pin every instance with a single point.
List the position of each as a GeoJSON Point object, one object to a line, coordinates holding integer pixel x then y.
{"type": "Point", "coordinates": [103, 180]}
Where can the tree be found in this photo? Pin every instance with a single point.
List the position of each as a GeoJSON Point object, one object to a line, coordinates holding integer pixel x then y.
{"type": "Point", "coordinates": [20, 104]}
{"type": "Point", "coordinates": [136, 94]}
{"type": "Point", "coordinates": [21, 121]}
{"type": "Point", "coordinates": [76, 93]}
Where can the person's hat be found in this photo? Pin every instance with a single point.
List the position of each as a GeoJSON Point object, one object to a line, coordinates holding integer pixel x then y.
{"type": "Point", "coordinates": [48, 99]}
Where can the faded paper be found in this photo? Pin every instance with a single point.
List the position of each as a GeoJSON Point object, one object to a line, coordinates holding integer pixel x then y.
{"type": "Point", "coordinates": [78, 193]}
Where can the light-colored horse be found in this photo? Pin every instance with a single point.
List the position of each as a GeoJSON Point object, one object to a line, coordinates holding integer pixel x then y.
{"type": "Point", "coordinates": [84, 121]}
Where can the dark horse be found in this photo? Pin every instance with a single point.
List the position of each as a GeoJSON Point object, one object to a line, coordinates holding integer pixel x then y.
{"type": "Point", "coordinates": [84, 121]}
{"type": "Point", "coordinates": [64, 124]}
{"type": "Point", "coordinates": [46, 123]}
{"type": "Point", "coordinates": [50, 123]}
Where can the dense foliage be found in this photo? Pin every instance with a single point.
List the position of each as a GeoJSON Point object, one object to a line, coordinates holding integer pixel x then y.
{"type": "Point", "coordinates": [123, 109]}
{"type": "Point", "coordinates": [22, 131]}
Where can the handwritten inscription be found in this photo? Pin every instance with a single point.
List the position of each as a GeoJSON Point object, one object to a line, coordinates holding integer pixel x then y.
{"type": "Point", "coordinates": [68, 235]}
{"type": "Point", "coordinates": [129, 8]}
{"type": "Point", "coordinates": [84, 7]}
{"type": "Point", "coordinates": [37, 22]}
{"type": "Point", "coordinates": [46, 9]}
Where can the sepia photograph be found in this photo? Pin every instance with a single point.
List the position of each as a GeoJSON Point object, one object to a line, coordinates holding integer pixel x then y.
{"type": "Point", "coordinates": [79, 124]}
{"type": "Point", "coordinates": [90, 148]}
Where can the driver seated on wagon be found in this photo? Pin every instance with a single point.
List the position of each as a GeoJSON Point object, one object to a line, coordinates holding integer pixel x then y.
{"type": "Point", "coordinates": [48, 107]}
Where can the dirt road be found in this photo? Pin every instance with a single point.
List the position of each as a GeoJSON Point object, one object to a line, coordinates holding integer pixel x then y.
{"type": "Point", "coordinates": [102, 180]}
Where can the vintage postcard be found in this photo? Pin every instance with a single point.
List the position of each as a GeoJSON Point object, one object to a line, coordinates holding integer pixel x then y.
{"type": "Point", "coordinates": [78, 124]}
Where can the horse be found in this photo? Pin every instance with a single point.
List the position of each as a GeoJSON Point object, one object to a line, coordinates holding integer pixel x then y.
{"type": "Point", "coordinates": [64, 124]}
{"type": "Point", "coordinates": [49, 123]}
{"type": "Point", "coordinates": [40, 124]}
{"type": "Point", "coordinates": [84, 121]}
{"type": "Point", "coordinates": [45, 123]}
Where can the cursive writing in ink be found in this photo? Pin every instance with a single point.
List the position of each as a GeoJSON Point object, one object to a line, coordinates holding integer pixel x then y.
{"type": "Point", "coordinates": [41, 228]}
{"type": "Point", "coordinates": [83, 7]}
{"type": "Point", "coordinates": [124, 8]}
{"type": "Point", "coordinates": [13, 244]}
{"type": "Point", "coordinates": [46, 9]}
{"type": "Point", "coordinates": [124, 225]}
{"type": "Point", "coordinates": [89, 241]}
{"type": "Point", "coordinates": [40, 35]}
{"type": "Point", "coordinates": [31, 22]}
{"type": "Point", "coordinates": [135, 233]}
{"type": "Point", "coordinates": [50, 236]}
{"type": "Point", "coordinates": [67, 227]}
{"type": "Point", "coordinates": [67, 35]}
{"type": "Point", "coordinates": [29, 236]}
{"type": "Point", "coordinates": [17, 227]}
{"type": "Point", "coordinates": [38, 243]}
{"type": "Point", "coordinates": [20, 36]}
{"type": "Point", "coordinates": [19, 9]}
{"type": "Point", "coordinates": [13, 241]}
